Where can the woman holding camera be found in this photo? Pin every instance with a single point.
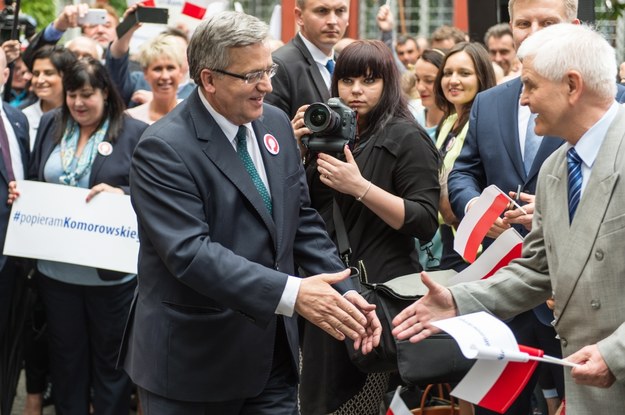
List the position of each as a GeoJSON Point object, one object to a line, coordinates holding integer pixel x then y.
{"type": "Point", "coordinates": [385, 184]}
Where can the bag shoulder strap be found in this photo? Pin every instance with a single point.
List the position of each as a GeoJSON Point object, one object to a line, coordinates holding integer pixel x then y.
{"type": "Point", "coordinates": [341, 233]}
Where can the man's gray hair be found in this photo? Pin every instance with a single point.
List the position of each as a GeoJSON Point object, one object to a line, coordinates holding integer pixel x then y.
{"type": "Point", "coordinates": [570, 9]}
{"type": "Point", "coordinates": [563, 47]}
{"type": "Point", "coordinates": [209, 47]}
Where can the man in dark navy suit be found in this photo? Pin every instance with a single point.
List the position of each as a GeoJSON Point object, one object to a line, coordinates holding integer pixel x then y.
{"type": "Point", "coordinates": [13, 166]}
{"type": "Point", "coordinates": [223, 212]}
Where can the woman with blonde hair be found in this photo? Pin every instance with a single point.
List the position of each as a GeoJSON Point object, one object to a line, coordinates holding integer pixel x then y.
{"type": "Point", "coordinates": [162, 61]}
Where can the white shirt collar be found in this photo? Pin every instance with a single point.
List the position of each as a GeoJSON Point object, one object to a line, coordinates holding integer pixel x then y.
{"type": "Point", "coordinates": [229, 129]}
{"type": "Point", "coordinates": [319, 57]}
{"type": "Point", "coordinates": [589, 144]}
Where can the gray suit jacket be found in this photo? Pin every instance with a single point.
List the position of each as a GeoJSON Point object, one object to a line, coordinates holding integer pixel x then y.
{"type": "Point", "coordinates": [581, 263]}
{"type": "Point", "coordinates": [213, 262]}
{"type": "Point", "coordinates": [298, 80]}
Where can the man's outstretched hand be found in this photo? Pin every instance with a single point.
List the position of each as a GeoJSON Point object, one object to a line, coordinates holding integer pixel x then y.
{"type": "Point", "coordinates": [414, 321]}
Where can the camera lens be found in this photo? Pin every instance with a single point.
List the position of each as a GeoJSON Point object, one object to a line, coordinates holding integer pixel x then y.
{"type": "Point", "coordinates": [320, 118]}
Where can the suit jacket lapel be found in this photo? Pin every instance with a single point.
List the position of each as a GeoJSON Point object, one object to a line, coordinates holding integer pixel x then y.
{"type": "Point", "coordinates": [592, 206]}
{"type": "Point", "coordinates": [98, 162]}
{"type": "Point", "coordinates": [509, 103]}
{"type": "Point", "coordinates": [313, 70]}
{"type": "Point", "coordinates": [220, 151]}
{"type": "Point", "coordinates": [548, 146]}
{"type": "Point", "coordinates": [21, 134]}
{"type": "Point", "coordinates": [24, 141]}
{"type": "Point", "coordinates": [275, 172]}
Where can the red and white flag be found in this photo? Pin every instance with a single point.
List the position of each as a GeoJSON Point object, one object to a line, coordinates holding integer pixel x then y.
{"type": "Point", "coordinates": [398, 407]}
{"type": "Point", "coordinates": [144, 3]}
{"type": "Point", "coordinates": [195, 8]}
{"type": "Point", "coordinates": [506, 247]}
{"type": "Point", "coordinates": [478, 220]}
{"type": "Point", "coordinates": [503, 367]}
{"type": "Point", "coordinates": [499, 383]}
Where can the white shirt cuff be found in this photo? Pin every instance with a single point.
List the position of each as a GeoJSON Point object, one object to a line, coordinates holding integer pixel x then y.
{"type": "Point", "coordinates": [286, 306]}
{"type": "Point", "coordinates": [466, 208]}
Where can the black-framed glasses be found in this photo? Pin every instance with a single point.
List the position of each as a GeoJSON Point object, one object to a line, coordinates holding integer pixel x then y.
{"type": "Point", "coordinates": [252, 77]}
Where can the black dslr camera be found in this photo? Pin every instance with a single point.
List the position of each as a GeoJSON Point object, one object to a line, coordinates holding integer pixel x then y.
{"type": "Point", "coordinates": [26, 25]}
{"type": "Point", "coordinates": [333, 125]}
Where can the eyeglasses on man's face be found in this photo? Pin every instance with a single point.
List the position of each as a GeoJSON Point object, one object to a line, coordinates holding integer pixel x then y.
{"type": "Point", "coordinates": [252, 77]}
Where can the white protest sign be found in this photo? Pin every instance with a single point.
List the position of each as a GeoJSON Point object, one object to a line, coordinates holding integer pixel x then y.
{"type": "Point", "coordinates": [54, 222]}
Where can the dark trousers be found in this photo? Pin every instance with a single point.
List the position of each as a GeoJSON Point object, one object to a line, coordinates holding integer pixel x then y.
{"type": "Point", "coordinates": [529, 332]}
{"type": "Point", "coordinates": [278, 398]}
{"type": "Point", "coordinates": [8, 274]}
{"type": "Point", "coordinates": [85, 327]}
{"type": "Point", "coordinates": [36, 366]}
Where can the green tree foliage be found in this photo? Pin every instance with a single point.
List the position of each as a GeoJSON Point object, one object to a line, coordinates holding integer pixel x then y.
{"type": "Point", "coordinates": [42, 10]}
{"type": "Point", "coordinates": [45, 11]}
{"type": "Point", "coordinates": [119, 5]}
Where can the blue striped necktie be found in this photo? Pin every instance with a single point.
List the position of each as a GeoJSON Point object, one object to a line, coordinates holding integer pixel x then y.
{"type": "Point", "coordinates": [574, 163]}
{"type": "Point", "coordinates": [244, 155]}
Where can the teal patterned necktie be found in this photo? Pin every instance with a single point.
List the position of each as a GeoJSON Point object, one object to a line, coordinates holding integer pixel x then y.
{"type": "Point", "coordinates": [244, 155]}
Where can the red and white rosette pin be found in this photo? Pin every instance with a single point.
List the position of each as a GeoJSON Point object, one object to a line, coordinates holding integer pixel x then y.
{"type": "Point", "coordinates": [271, 144]}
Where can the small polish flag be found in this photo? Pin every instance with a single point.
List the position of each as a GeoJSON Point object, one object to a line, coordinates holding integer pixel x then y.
{"type": "Point", "coordinates": [503, 367]}
{"type": "Point", "coordinates": [501, 388]}
{"type": "Point", "coordinates": [398, 407]}
{"type": "Point", "coordinates": [195, 8]}
{"type": "Point", "coordinates": [144, 3]}
{"type": "Point", "coordinates": [478, 220]}
{"type": "Point", "coordinates": [506, 247]}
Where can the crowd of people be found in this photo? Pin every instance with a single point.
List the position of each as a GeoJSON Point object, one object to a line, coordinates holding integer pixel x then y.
{"type": "Point", "coordinates": [242, 303]}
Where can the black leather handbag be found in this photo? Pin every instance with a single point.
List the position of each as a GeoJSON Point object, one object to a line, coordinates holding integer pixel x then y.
{"type": "Point", "coordinates": [433, 360]}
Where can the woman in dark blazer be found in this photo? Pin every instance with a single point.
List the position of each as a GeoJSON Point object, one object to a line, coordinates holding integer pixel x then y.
{"type": "Point", "coordinates": [88, 143]}
{"type": "Point", "coordinates": [387, 191]}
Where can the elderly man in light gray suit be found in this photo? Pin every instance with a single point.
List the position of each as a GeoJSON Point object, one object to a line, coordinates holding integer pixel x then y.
{"type": "Point", "coordinates": [576, 245]}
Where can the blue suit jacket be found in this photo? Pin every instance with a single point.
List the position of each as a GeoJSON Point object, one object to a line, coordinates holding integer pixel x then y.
{"type": "Point", "coordinates": [19, 123]}
{"type": "Point", "coordinates": [213, 262]}
{"type": "Point", "coordinates": [492, 154]}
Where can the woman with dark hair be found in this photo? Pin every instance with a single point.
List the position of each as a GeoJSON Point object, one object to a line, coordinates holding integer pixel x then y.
{"type": "Point", "coordinates": [47, 68]}
{"type": "Point", "coordinates": [87, 143]}
{"type": "Point", "coordinates": [386, 188]}
{"type": "Point", "coordinates": [426, 69]}
{"type": "Point", "coordinates": [466, 71]}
